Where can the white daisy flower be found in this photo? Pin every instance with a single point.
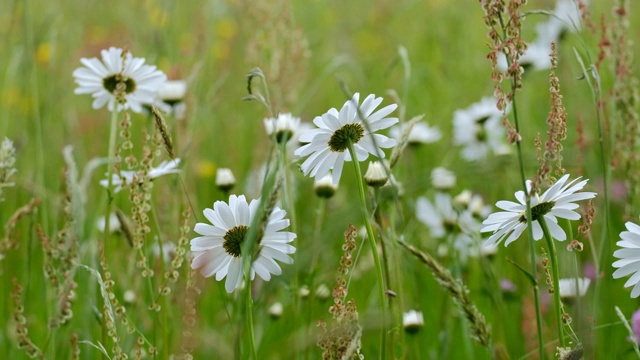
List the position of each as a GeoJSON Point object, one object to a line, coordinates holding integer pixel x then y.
{"type": "Point", "coordinates": [629, 256]}
{"type": "Point", "coordinates": [327, 147]}
{"type": "Point", "coordinates": [412, 321]}
{"type": "Point", "coordinates": [566, 16]}
{"type": "Point", "coordinates": [441, 218]}
{"type": "Point", "coordinates": [275, 310]}
{"type": "Point", "coordinates": [536, 56]}
{"type": "Point", "coordinates": [164, 168]}
{"type": "Point", "coordinates": [284, 126]}
{"type": "Point", "coordinates": [478, 129]}
{"type": "Point", "coordinates": [7, 164]}
{"type": "Point", "coordinates": [376, 175]}
{"type": "Point", "coordinates": [568, 287]}
{"type": "Point", "coordinates": [172, 91]}
{"type": "Point", "coordinates": [120, 79]}
{"type": "Point", "coordinates": [420, 133]}
{"type": "Point", "coordinates": [324, 186]}
{"type": "Point", "coordinates": [557, 201]}
{"type": "Point", "coordinates": [170, 98]}
{"type": "Point", "coordinates": [225, 180]}
{"type": "Point", "coordinates": [443, 179]}
{"type": "Point", "coordinates": [219, 250]}
{"type": "Point", "coordinates": [114, 223]}
{"type": "Point", "coordinates": [127, 177]}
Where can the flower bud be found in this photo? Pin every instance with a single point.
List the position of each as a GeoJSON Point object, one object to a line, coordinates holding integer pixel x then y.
{"type": "Point", "coordinates": [376, 175]}
{"type": "Point", "coordinates": [225, 180]}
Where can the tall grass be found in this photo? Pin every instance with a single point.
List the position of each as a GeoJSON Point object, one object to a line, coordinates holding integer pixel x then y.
{"type": "Point", "coordinates": [70, 291]}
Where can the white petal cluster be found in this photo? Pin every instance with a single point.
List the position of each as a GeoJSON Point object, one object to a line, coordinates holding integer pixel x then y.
{"type": "Point", "coordinates": [478, 129]}
{"type": "Point", "coordinates": [118, 79]}
{"type": "Point", "coordinates": [557, 202]}
{"type": "Point", "coordinates": [217, 250]}
{"type": "Point", "coordinates": [127, 177]}
{"type": "Point", "coordinates": [629, 258]}
{"type": "Point", "coordinates": [322, 158]}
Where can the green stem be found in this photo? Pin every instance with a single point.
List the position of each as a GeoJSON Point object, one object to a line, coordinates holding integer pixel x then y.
{"type": "Point", "coordinates": [107, 216]}
{"type": "Point", "coordinates": [556, 279]}
{"type": "Point", "coordinates": [387, 274]}
{"type": "Point", "coordinates": [320, 210]}
{"type": "Point", "coordinates": [532, 251]}
{"type": "Point", "coordinates": [111, 156]}
{"type": "Point", "coordinates": [289, 204]}
{"type": "Point", "coordinates": [374, 248]}
{"type": "Point", "coordinates": [165, 336]}
{"type": "Point", "coordinates": [249, 304]}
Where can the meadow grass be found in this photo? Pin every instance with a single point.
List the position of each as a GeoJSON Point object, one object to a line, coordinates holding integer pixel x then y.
{"type": "Point", "coordinates": [54, 282]}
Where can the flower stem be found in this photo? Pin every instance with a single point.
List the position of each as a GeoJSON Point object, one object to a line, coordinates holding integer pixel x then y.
{"type": "Point", "coordinates": [111, 156]}
{"type": "Point", "coordinates": [249, 304]}
{"type": "Point", "coordinates": [107, 216]}
{"type": "Point", "coordinates": [374, 248]}
{"type": "Point", "coordinates": [556, 283]}
{"type": "Point", "coordinates": [532, 251]}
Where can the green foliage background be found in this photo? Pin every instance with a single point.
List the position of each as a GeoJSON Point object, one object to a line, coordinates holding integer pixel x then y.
{"type": "Point", "coordinates": [305, 48]}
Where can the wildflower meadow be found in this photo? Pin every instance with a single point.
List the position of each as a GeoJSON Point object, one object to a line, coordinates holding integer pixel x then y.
{"type": "Point", "coordinates": [235, 179]}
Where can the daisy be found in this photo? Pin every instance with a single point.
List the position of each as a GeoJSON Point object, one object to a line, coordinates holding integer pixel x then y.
{"type": "Point", "coordinates": [443, 220]}
{"type": "Point", "coordinates": [376, 175]}
{"type": "Point", "coordinates": [225, 180]}
{"type": "Point", "coordinates": [440, 217]}
{"type": "Point", "coordinates": [568, 287]}
{"type": "Point", "coordinates": [126, 177]}
{"type": "Point", "coordinates": [172, 91]}
{"type": "Point", "coordinates": [412, 321]}
{"type": "Point", "coordinates": [420, 133]}
{"type": "Point", "coordinates": [219, 250]}
{"type": "Point", "coordinates": [629, 256]}
{"type": "Point", "coordinates": [443, 179]}
{"type": "Point", "coordinates": [557, 201]}
{"type": "Point", "coordinates": [284, 126]}
{"type": "Point", "coordinates": [170, 98]}
{"type": "Point", "coordinates": [118, 78]}
{"type": "Point", "coordinates": [328, 145]}
{"type": "Point", "coordinates": [7, 164]}
{"type": "Point", "coordinates": [478, 129]}
{"type": "Point", "coordinates": [324, 186]}
{"type": "Point", "coordinates": [566, 16]}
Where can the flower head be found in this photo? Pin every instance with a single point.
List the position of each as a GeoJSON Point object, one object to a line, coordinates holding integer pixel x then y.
{"type": "Point", "coordinates": [284, 126]}
{"type": "Point", "coordinates": [324, 186]}
{"type": "Point", "coordinates": [276, 310]}
{"type": "Point", "coordinates": [355, 124]}
{"type": "Point", "coordinates": [376, 175]}
{"type": "Point", "coordinates": [412, 321]}
{"type": "Point", "coordinates": [444, 220]}
{"type": "Point", "coordinates": [420, 133]}
{"type": "Point", "coordinates": [225, 180]}
{"type": "Point", "coordinates": [219, 250]}
{"type": "Point", "coordinates": [127, 177]}
{"type": "Point", "coordinates": [568, 287]}
{"type": "Point", "coordinates": [172, 91]}
{"type": "Point", "coordinates": [114, 223]}
{"type": "Point", "coordinates": [7, 164]}
{"type": "Point", "coordinates": [170, 98]}
{"type": "Point", "coordinates": [443, 179]}
{"type": "Point", "coordinates": [629, 255]}
{"type": "Point", "coordinates": [478, 129]}
{"type": "Point", "coordinates": [566, 16]}
{"type": "Point", "coordinates": [557, 201]}
{"type": "Point", "coordinates": [120, 79]}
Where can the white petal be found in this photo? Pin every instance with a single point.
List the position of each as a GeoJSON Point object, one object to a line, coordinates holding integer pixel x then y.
{"type": "Point", "coordinates": [234, 276]}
